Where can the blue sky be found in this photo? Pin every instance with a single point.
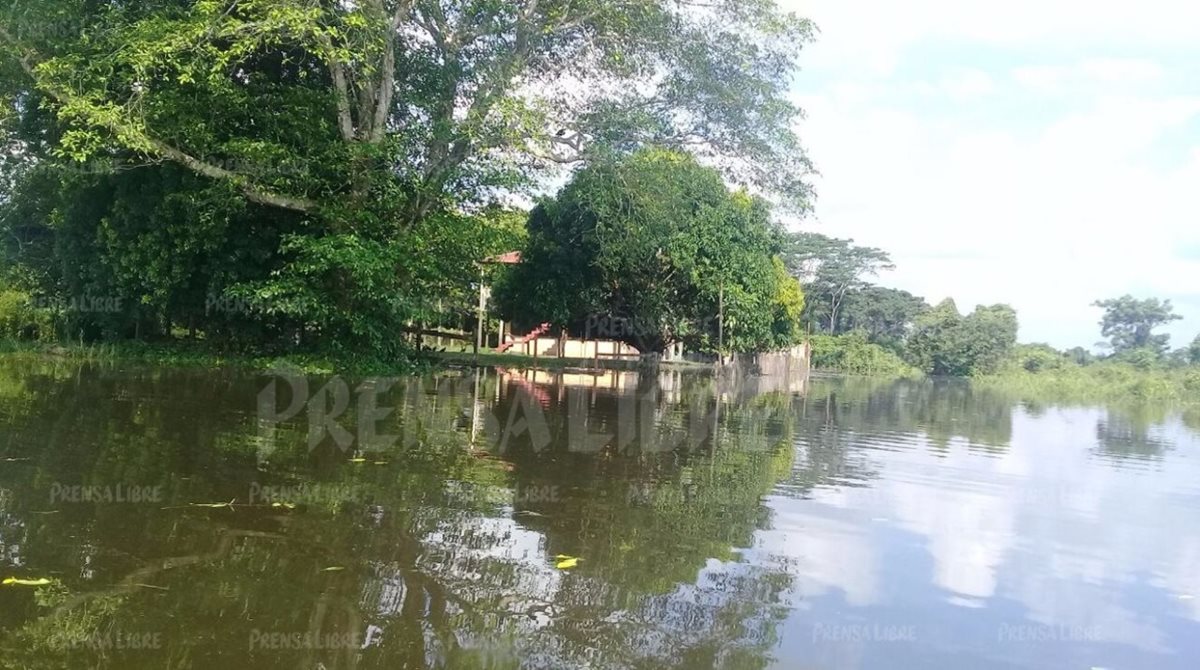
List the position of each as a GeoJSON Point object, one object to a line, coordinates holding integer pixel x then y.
{"type": "Point", "coordinates": [1042, 154]}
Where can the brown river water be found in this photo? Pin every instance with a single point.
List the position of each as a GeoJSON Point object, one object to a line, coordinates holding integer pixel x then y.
{"type": "Point", "coordinates": [217, 519]}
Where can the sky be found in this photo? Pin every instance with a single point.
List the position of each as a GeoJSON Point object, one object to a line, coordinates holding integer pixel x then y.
{"type": "Point", "coordinates": [1040, 154]}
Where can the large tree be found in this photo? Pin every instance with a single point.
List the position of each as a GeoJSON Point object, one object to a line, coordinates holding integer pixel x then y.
{"type": "Point", "coordinates": [885, 315]}
{"type": "Point", "coordinates": [831, 269]}
{"type": "Point", "coordinates": [394, 107]}
{"type": "Point", "coordinates": [652, 250]}
{"type": "Point", "coordinates": [1129, 323]}
{"type": "Point", "coordinates": [324, 164]}
{"type": "Point", "coordinates": [944, 342]}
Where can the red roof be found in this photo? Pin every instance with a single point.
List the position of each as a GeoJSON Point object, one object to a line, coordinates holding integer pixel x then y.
{"type": "Point", "coordinates": [510, 258]}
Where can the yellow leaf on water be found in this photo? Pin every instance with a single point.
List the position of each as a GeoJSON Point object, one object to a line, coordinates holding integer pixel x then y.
{"type": "Point", "coordinates": [358, 460]}
{"type": "Point", "coordinates": [334, 568]}
{"type": "Point", "coordinates": [566, 562]}
{"type": "Point", "coordinates": [285, 505]}
{"type": "Point", "coordinates": [214, 505]}
{"type": "Point", "coordinates": [13, 581]}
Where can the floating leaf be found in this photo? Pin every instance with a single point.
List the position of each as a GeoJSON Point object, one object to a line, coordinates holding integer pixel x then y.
{"type": "Point", "coordinates": [14, 581]}
{"type": "Point", "coordinates": [285, 505]}
{"type": "Point", "coordinates": [358, 460]}
{"type": "Point", "coordinates": [214, 505]}
{"type": "Point", "coordinates": [334, 568]}
{"type": "Point", "coordinates": [380, 462]}
{"type": "Point", "coordinates": [566, 562]}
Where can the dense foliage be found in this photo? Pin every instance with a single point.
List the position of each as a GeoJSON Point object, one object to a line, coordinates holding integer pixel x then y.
{"type": "Point", "coordinates": [880, 330]}
{"type": "Point", "coordinates": [853, 353]}
{"type": "Point", "coordinates": [654, 250]}
{"type": "Point", "coordinates": [835, 272]}
{"type": "Point", "coordinates": [1129, 323]}
{"type": "Point", "coordinates": [324, 173]}
{"type": "Point", "coordinates": [944, 342]}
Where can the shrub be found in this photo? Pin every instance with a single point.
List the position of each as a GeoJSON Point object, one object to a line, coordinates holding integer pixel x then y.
{"type": "Point", "coordinates": [1037, 358]}
{"type": "Point", "coordinates": [852, 353]}
{"type": "Point", "coordinates": [20, 319]}
{"type": "Point", "coordinates": [1142, 358]}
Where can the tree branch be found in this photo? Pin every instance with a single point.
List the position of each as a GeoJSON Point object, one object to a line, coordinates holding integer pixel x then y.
{"type": "Point", "coordinates": [387, 75]}
{"type": "Point", "coordinates": [341, 90]}
{"type": "Point", "coordinates": [252, 191]}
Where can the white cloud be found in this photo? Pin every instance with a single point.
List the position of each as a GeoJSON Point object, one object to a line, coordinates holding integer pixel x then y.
{"type": "Point", "coordinates": [1047, 207]}
{"type": "Point", "coordinates": [1122, 69]}
{"type": "Point", "coordinates": [882, 27]}
{"type": "Point", "coordinates": [1091, 74]}
{"type": "Point", "coordinates": [967, 84]}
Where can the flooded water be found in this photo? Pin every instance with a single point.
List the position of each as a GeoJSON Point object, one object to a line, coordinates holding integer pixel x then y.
{"type": "Point", "coordinates": [199, 519]}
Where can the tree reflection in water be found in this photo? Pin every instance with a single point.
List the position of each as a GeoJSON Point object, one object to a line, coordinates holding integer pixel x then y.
{"type": "Point", "coordinates": [434, 551]}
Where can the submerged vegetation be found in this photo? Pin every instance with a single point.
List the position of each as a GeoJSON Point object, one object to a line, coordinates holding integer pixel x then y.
{"type": "Point", "coordinates": [1107, 380]}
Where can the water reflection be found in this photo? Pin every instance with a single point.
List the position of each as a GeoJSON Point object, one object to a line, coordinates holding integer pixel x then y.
{"type": "Point", "coordinates": [715, 522]}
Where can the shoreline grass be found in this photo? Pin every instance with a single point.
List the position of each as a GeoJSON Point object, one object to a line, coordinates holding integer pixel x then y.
{"type": "Point", "coordinates": [1100, 382]}
{"type": "Point", "coordinates": [198, 355]}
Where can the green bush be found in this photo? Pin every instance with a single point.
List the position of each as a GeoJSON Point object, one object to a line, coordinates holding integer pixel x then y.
{"type": "Point", "coordinates": [1037, 358]}
{"type": "Point", "coordinates": [1113, 379]}
{"type": "Point", "coordinates": [20, 319]}
{"type": "Point", "coordinates": [1191, 380]}
{"type": "Point", "coordinates": [1142, 358]}
{"type": "Point", "coordinates": [853, 354]}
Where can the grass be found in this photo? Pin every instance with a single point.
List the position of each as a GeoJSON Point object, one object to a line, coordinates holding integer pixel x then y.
{"type": "Point", "coordinates": [196, 354]}
{"type": "Point", "coordinates": [1105, 381]}
{"type": "Point", "coordinates": [1060, 381]}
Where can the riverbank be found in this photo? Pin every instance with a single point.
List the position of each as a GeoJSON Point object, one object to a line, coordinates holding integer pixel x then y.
{"type": "Point", "coordinates": [519, 360]}
{"type": "Point", "coordinates": [1103, 382]}
{"type": "Point", "coordinates": [196, 354]}
{"type": "Point", "coordinates": [1029, 372]}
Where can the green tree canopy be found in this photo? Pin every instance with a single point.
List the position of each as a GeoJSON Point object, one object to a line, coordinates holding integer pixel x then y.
{"type": "Point", "coordinates": [389, 108]}
{"type": "Point", "coordinates": [326, 167]}
{"type": "Point", "coordinates": [944, 342]}
{"type": "Point", "coordinates": [885, 315]}
{"type": "Point", "coordinates": [1129, 323]}
{"type": "Point", "coordinates": [831, 269]}
{"type": "Point", "coordinates": [645, 250]}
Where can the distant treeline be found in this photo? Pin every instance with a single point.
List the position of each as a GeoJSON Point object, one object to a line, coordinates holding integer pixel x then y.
{"type": "Point", "coordinates": [860, 327]}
